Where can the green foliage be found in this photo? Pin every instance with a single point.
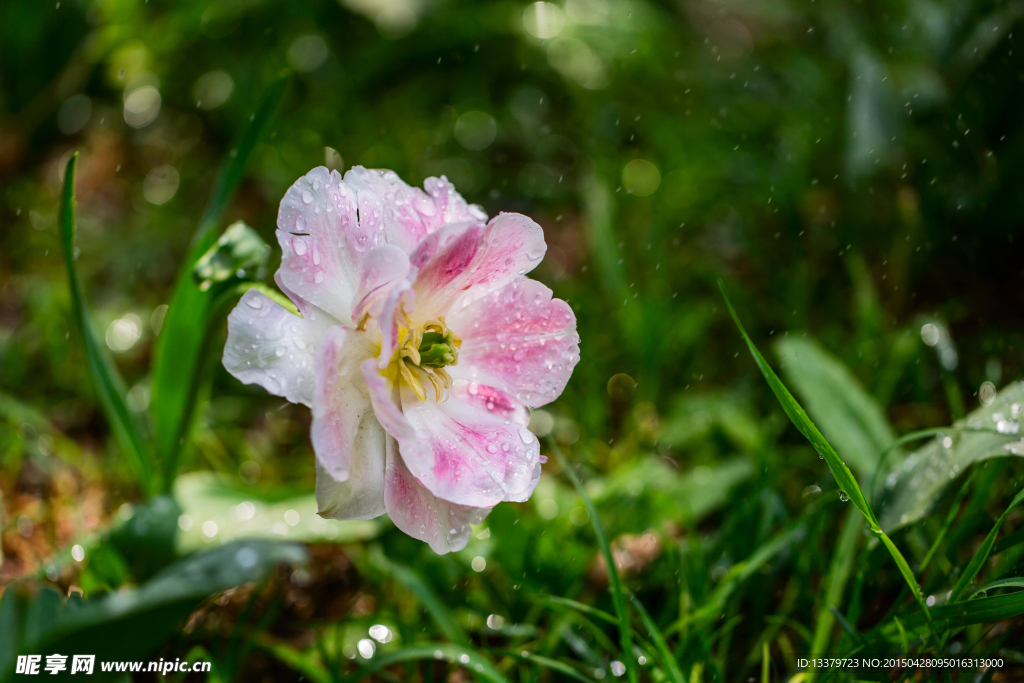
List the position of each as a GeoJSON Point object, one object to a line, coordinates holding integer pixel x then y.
{"type": "Point", "coordinates": [104, 375]}
{"type": "Point", "coordinates": [133, 623]}
{"type": "Point", "coordinates": [852, 169]}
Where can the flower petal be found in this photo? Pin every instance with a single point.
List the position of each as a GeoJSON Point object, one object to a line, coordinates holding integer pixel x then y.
{"type": "Point", "coordinates": [269, 346]}
{"type": "Point", "coordinates": [460, 452]}
{"type": "Point", "coordinates": [404, 214]}
{"type": "Point", "coordinates": [450, 206]}
{"type": "Point", "coordinates": [492, 400]}
{"type": "Point", "coordinates": [361, 496]}
{"type": "Point", "coordinates": [340, 400]}
{"type": "Point", "coordinates": [465, 454]}
{"type": "Point", "coordinates": [421, 514]}
{"type": "Point", "coordinates": [463, 262]}
{"type": "Point", "coordinates": [322, 241]}
{"type": "Point", "coordinates": [381, 269]}
{"type": "Point", "coordinates": [518, 340]}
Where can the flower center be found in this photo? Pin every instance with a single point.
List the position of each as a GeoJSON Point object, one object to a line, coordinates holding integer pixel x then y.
{"type": "Point", "coordinates": [423, 354]}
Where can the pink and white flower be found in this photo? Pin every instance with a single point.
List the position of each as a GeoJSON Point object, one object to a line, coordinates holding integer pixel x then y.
{"type": "Point", "coordinates": [419, 348]}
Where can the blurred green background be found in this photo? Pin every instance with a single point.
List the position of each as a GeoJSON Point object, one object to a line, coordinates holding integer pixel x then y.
{"type": "Point", "coordinates": [851, 169]}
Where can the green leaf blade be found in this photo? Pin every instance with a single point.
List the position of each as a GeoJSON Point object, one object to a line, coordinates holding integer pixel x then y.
{"type": "Point", "coordinates": [178, 357]}
{"type": "Point", "coordinates": [105, 378]}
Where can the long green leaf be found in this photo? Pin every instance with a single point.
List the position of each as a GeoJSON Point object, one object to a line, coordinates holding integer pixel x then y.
{"type": "Point", "coordinates": [102, 371]}
{"type": "Point", "coordinates": [841, 473]}
{"type": "Point", "coordinates": [974, 566]}
{"type": "Point", "coordinates": [614, 581]}
{"type": "Point", "coordinates": [799, 418]}
{"type": "Point", "coordinates": [178, 357]}
{"type": "Point", "coordinates": [455, 654]}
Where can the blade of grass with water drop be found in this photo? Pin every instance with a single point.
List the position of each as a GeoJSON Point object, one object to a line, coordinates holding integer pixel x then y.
{"type": "Point", "coordinates": [585, 609]}
{"type": "Point", "coordinates": [418, 587]}
{"type": "Point", "coordinates": [545, 663]}
{"type": "Point", "coordinates": [178, 357]}
{"type": "Point", "coordinates": [102, 371]}
{"type": "Point", "coordinates": [614, 581]}
{"type": "Point", "coordinates": [974, 566]}
{"type": "Point", "coordinates": [840, 472]}
{"type": "Point", "coordinates": [668, 660]}
{"type": "Point", "coordinates": [473, 661]}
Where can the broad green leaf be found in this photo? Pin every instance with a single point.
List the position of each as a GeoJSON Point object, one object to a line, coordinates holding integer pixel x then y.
{"type": "Point", "coordinates": [840, 406]}
{"type": "Point", "coordinates": [239, 254]}
{"type": "Point", "coordinates": [237, 514]}
{"type": "Point", "coordinates": [178, 357]}
{"type": "Point", "coordinates": [146, 540]}
{"type": "Point", "coordinates": [909, 488]}
{"type": "Point", "coordinates": [132, 623]}
{"type": "Point", "coordinates": [693, 494]}
{"type": "Point", "coordinates": [472, 660]}
{"type": "Point", "coordinates": [104, 375]}
{"type": "Point", "coordinates": [415, 584]}
{"type": "Point", "coordinates": [614, 580]}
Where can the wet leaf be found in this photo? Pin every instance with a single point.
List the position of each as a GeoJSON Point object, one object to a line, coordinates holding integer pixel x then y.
{"type": "Point", "coordinates": [911, 487]}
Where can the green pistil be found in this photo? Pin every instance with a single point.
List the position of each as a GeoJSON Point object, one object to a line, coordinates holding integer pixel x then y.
{"type": "Point", "coordinates": [438, 350]}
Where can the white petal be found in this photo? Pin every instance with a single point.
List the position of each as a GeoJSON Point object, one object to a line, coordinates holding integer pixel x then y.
{"type": "Point", "coordinates": [269, 346]}
{"type": "Point", "coordinates": [361, 496]}
{"type": "Point", "coordinates": [340, 401]}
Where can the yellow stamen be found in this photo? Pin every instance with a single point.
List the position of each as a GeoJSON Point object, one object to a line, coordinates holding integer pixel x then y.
{"type": "Point", "coordinates": [413, 382]}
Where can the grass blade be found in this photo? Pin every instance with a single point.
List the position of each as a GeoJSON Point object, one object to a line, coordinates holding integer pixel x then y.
{"type": "Point", "coordinates": [456, 654]}
{"type": "Point", "coordinates": [974, 566]}
{"type": "Point", "coordinates": [178, 357]}
{"type": "Point", "coordinates": [839, 573]}
{"type": "Point", "coordinates": [664, 653]}
{"type": "Point", "coordinates": [614, 580]}
{"type": "Point", "coordinates": [102, 371]}
{"type": "Point", "coordinates": [844, 478]}
{"type": "Point", "coordinates": [585, 609]}
{"type": "Point", "coordinates": [545, 663]}
{"type": "Point", "coordinates": [1015, 582]}
{"type": "Point", "coordinates": [418, 587]}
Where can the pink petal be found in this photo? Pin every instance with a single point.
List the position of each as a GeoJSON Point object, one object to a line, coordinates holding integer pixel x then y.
{"type": "Point", "coordinates": [381, 269]}
{"type": "Point", "coordinates": [463, 262]}
{"type": "Point", "coordinates": [322, 241]}
{"type": "Point", "coordinates": [361, 496]}
{"type": "Point", "coordinates": [340, 403]}
{"type": "Point", "coordinates": [419, 513]}
{"type": "Point", "coordinates": [269, 346]}
{"type": "Point", "coordinates": [492, 400]}
{"type": "Point", "coordinates": [463, 453]}
{"type": "Point", "coordinates": [518, 340]}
